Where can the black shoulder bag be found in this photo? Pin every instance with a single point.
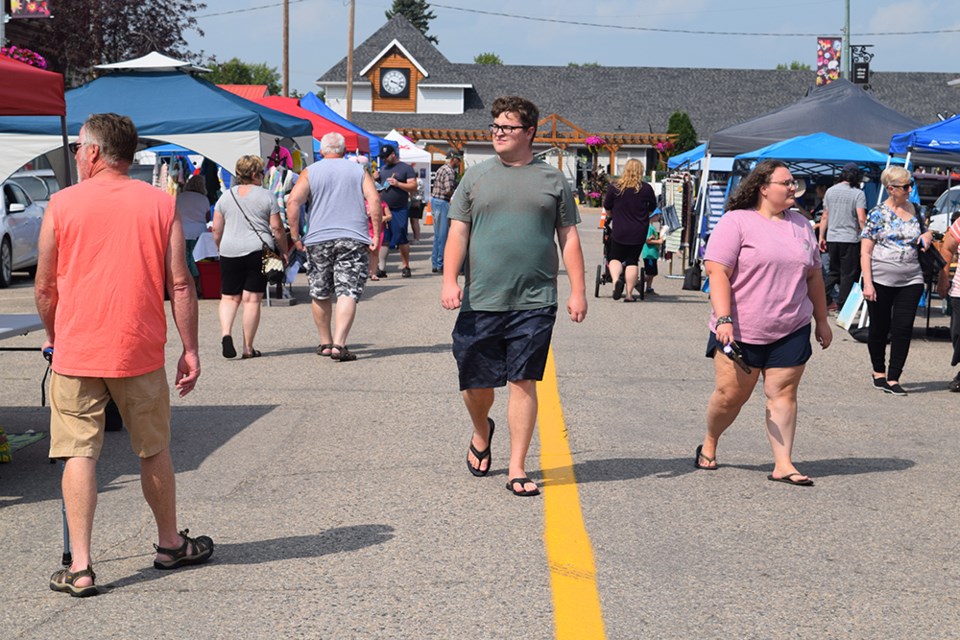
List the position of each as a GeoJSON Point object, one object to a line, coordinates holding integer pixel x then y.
{"type": "Point", "coordinates": [272, 263]}
{"type": "Point", "coordinates": [931, 262]}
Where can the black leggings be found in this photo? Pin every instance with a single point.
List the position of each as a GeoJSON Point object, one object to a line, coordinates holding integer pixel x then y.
{"type": "Point", "coordinates": [892, 315]}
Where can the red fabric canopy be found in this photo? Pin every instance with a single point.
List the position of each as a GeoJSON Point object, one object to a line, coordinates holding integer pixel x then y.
{"type": "Point", "coordinates": [321, 126]}
{"type": "Point", "coordinates": [28, 91]}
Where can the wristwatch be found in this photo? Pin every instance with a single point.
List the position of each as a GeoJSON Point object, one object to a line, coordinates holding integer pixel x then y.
{"type": "Point", "coordinates": [724, 320]}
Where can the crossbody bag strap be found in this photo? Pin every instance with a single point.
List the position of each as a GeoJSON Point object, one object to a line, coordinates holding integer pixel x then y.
{"type": "Point", "coordinates": [244, 213]}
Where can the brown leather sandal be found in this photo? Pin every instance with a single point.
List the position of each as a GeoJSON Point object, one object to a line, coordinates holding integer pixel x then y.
{"type": "Point", "coordinates": [64, 579]}
{"type": "Point", "coordinates": [202, 550]}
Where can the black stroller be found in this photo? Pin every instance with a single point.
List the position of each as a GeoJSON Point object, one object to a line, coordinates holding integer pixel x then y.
{"type": "Point", "coordinates": [603, 269]}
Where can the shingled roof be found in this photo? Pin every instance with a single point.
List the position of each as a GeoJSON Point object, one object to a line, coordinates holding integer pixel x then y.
{"type": "Point", "coordinates": [627, 99]}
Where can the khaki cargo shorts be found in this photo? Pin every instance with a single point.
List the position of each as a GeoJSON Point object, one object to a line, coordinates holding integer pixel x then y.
{"type": "Point", "coordinates": [78, 406]}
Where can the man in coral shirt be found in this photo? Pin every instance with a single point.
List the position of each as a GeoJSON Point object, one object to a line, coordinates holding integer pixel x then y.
{"type": "Point", "coordinates": [108, 247]}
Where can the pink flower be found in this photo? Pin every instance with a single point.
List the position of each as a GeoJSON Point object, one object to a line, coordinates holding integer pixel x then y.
{"type": "Point", "coordinates": [594, 141]}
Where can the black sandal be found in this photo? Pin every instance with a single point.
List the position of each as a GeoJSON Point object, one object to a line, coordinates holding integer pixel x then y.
{"type": "Point", "coordinates": [63, 581]}
{"type": "Point", "coordinates": [343, 355]}
{"type": "Point", "coordinates": [322, 348]}
{"type": "Point", "coordinates": [202, 550]}
{"type": "Point", "coordinates": [482, 455]}
{"type": "Point", "coordinates": [523, 493]}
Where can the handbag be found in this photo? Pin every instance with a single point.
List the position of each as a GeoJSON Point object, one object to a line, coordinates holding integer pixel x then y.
{"type": "Point", "coordinates": [931, 262]}
{"type": "Point", "coordinates": [271, 262]}
{"type": "Point", "coordinates": [692, 278]}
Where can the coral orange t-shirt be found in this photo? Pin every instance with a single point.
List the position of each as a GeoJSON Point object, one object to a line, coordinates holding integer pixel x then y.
{"type": "Point", "coordinates": [112, 235]}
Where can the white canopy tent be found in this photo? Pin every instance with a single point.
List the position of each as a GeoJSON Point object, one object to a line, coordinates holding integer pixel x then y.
{"type": "Point", "coordinates": [416, 157]}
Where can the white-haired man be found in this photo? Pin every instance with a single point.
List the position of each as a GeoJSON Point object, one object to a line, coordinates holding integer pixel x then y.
{"type": "Point", "coordinates": [338, 239]}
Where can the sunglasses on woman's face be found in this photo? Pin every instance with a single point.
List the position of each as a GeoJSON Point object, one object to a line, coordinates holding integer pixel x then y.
{"type": "Point", "coordinates": [902, 187]}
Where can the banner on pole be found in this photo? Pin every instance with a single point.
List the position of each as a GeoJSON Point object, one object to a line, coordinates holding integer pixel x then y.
{"type": "Point", "coordinates": [828, 59]}
{"type": "Point", "coordinates": [29, 9]}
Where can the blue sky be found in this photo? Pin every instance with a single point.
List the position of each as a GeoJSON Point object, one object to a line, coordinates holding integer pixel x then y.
{"type": "Point", "coordinates": [318, 32]}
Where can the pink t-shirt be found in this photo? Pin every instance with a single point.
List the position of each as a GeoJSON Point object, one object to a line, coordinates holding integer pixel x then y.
{"type": "Point", "coordinates": [770, 261]}
{"type": "Point", "coordinates": [955, 287]}
{"type": "Point", "coordinates": [112, 236]}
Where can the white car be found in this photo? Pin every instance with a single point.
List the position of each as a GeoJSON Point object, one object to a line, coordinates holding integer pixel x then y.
{"type": "Point", "coordinates": [943, 209]}
{"type": "Point", "coordinates": [39, 184]}
{"type": "Point", "coordinates": [20, 220]}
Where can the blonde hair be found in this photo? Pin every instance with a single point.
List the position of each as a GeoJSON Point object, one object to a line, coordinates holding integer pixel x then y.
{"type": "Point", "coordinates": [247, 168]}
{"type": "Point", "coordinates": [197, 184]}
{"type": "Point", "coordinates": [632, 176]}
{"type": "Point", "coordinates": [894, 174]}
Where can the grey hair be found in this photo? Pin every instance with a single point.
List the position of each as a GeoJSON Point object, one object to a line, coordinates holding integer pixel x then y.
{"type": "Point", "coordinates": [894, 174]}
{"type": "Point", "coordinates": [332, 144]}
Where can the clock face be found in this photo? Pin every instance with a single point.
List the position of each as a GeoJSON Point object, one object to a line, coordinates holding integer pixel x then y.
{"type": "Point", "coordinates": [394, 83]}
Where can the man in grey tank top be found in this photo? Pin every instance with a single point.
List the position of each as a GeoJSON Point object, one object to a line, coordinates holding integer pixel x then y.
{"type": "Point", "coordinates": [844, 214]}
{"type": "Point", "coordinates": [342, 230]}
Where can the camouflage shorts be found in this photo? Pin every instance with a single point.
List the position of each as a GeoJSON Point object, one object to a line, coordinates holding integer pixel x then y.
{"type": "Point", "coordinates": [338, 266]}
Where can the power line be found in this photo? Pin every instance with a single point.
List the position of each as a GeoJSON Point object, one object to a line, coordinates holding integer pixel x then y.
{"type": "Point", "coordinates": [682, 31]}
{"type": "Point", "coordinates": [263, 6]}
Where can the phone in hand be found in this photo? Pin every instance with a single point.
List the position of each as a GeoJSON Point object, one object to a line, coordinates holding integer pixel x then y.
{"type": "Point", "coordinates": [733, 352]}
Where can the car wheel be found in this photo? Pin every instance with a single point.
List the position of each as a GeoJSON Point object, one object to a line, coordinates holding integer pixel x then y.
{"type": "Point", "coordinates": [6, 264]}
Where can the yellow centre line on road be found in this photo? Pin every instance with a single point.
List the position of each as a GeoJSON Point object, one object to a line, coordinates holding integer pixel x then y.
{"type": "Point", "coordinates": [576, 601]}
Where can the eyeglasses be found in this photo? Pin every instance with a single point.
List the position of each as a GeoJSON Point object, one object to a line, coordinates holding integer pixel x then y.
{"type": "Point", "coordinates": [789, 184]}
{"type": "Point", "coordinates": [903, 187]}
{"type": "Point", "coordinates": [75, 146]}
{"type": "Point", "coordinates": [504, 128]}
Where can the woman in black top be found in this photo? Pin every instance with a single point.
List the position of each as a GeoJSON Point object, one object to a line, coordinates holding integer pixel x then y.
{"type": "Point", "coordinates": [628, 202]}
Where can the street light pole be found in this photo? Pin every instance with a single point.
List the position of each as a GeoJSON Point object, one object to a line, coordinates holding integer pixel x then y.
{"type": "Point", "coordinates": [846, 41]}
{"type": "Point", "coordinates": [349, 113]}
{"type": "Point", "coordinates": [286, 48]}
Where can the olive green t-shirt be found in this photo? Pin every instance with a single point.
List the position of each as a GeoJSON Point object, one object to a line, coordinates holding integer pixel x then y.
{"type": "Point", "coordinates": [514, 214]}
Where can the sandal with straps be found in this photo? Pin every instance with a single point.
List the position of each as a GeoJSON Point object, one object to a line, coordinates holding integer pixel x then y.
{"type": "Point", "coordinates": [343, 354]}
{"type": "Point", "coordinates": [64, 579]}
{"type": "Point", "coordinates": [322, 348]}
{"type": "Point", "coordinates": [202, 550]}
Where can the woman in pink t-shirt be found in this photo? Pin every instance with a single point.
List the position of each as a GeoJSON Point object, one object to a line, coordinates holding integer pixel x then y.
{"type": "Point", "coordinates": [765, 284]}
{"type": "Point", "coordinates": [951, 240]}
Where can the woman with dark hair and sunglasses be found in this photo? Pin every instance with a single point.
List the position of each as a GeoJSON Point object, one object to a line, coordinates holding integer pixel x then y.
{"type": "Point", "coordinates": [765, 285]}
{"type": "Point", "coordinates": [892, 278]}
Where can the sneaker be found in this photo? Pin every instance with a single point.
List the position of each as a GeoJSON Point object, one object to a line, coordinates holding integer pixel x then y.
{"type": "Point", "coordinates": [435, 270]}
{"type": "Point", "coordinates": [955, 383]}
{"type": "Point", "coordinates": [880, 383]}
{"type": "Point", "coordinates": [895, 389]}
{"type": "Point", "coordinates": [381, 273]}
{"type": "Point", "coordinates": [650, 291]}
{"type": "Point", "coordinates": [405, 272]}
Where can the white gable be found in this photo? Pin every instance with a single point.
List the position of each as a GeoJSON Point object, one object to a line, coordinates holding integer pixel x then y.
{"type": "Point", "coordinates": [383, 52]}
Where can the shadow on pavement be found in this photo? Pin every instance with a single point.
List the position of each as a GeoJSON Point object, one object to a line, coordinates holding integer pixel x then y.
{"type": "Point", "coordinates": [619, 469]}
{"type": "Point", "coordinates": [339, 540]}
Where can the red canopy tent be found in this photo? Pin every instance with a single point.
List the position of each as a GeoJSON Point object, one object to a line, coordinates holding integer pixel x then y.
{"type": "Point", "coordinates": [321, 126]}
{"type": "Point", "coordinates": [28, 91]}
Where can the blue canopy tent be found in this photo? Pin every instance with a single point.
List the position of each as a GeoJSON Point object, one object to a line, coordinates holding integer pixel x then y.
{"type": "Point", "coordinates": [691, 161]}
{"type": "Point", "coordinates": [311, 102]}
{"type": "Point", "coordinates": [166, 106]}
{"type": "Point", "coordinates": [934, 144]}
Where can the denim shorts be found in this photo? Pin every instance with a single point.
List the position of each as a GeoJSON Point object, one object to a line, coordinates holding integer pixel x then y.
{"type": "Point", "coordinates": [397, 227]}
{"type": "Point", "coordinates": [493, 347]}
{"type": "Point", "coordinates": [791, 350]}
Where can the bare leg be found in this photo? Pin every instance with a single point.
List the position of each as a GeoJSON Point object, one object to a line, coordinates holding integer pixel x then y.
{"type": "Point", "coordinates": [322, 312]}
{"type": "Point", "coordinates": [160, 490]}
{"type": "Point", "coordinates": [478, 403]}
{"type": "Point", "coordinates": [732, 390]}
{"type": "Point", "coordinates": [522, 418]}
{"type": "Point", "coordinates": [251, 318]}
{"type": "Point", "coordinates": [616, 268]}
{"type": "Point", "coordinates": [228, 313]}
{"type": "Point", "coordinates": [384, 252]}
{"type": "Point", "coordinates": [405, 255]}
{"type": "Point", "coordinates": [415, 225]}
{"type": "Point", "coordinates": [780, 387]}
{"type": "Point", "coordinates": [79, 486]}
{"type": "Point", "coordinates": [345, 313]}
{"type": "Point", "coordinates": [631, 274]}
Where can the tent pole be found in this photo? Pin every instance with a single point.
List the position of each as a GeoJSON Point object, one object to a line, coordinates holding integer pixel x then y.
{"type": "Point", "coordinates": [701, 202]}
{"type": "Point", "coordinates": [66, 150]}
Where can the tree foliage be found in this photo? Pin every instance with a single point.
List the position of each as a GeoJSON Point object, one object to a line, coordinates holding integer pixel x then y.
{"type": "Point", "coordinates": [85, 33]}
{"type": "Point", "coordinates": [686, 135]}
{"type": "Point", "coordinates": [795, 65]}
{"type": "Point", "coordinates": [487, 57]}
{"type": "Point", "coordinates": [417, 12]}
{"type": "Point", "coordinates": [235, 71]}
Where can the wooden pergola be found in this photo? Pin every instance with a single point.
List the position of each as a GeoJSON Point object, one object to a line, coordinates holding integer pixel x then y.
{"type": "Point", "coordinates": [554, 130]}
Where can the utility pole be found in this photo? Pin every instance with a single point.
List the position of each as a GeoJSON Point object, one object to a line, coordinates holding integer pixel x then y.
{"type": "Point", "coordinates": [349, 114]}
{"type": "Point", "coordinates": [846, 41]}
{"type": "Point", "coordinates": [286, 48]}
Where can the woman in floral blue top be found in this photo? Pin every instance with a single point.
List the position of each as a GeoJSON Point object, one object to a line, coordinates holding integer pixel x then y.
{"type": "Point", "coordinates": [892, 279]}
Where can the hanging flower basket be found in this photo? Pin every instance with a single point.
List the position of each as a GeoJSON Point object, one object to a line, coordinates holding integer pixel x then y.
{"type": "Point", "coordinates": [594, 143]}
{"type": "Point", "coordinates": [24, 55]}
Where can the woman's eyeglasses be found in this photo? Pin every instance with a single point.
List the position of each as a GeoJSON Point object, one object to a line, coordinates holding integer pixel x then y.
{"type": "Point", "coordinates": [789, 184]}
{"type": "Point", "coordinates": [902, 187]}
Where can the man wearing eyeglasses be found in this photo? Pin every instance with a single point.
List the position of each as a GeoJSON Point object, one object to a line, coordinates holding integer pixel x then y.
{"type": "Point", "coordinates": [511, 211]}
{"type": "Point", "coordinates": [844, 214]}
{"type": "Point", "coordinates": [108, 245]}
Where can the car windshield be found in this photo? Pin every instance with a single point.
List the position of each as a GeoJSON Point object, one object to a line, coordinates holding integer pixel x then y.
{"type": "Point", "coordinates": [34, 187]}
{"type": "Point", "coordinates": [949, 201]}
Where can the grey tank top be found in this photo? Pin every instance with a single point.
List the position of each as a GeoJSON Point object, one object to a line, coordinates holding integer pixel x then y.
{"type": "Point", "coordinates": [337, 209]}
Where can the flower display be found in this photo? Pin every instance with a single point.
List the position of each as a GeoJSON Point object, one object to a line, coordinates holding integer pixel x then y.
{"type": "Point", "coordinates": [24, 55]}
{"type": "Point", "coordinates": [594, 141]}
{"type": "Point", "coordinates": [665, 146]}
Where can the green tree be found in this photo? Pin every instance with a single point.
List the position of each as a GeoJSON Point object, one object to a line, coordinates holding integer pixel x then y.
{"type": "Point", "coordinates": [795, 65]}
{"type": "Point", "coordinates": [417, 12]}
{"type": "Point", "coordinates": [235, 71]}
{"type": "Point", "coordinates": [487, 58]}
{"type": "Point", "coordinates": [91, 32]}
{"type": "Point", "coordinates": [686, 135]}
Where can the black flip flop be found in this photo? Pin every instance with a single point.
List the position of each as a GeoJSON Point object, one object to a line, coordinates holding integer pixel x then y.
{"type": "Point", "coordinates": [696, 460]}
{"type": "Point", "coordinates": [228, 349]}
{"type": "Point", "coordinates": [523, 493]}
{"type": "Point", "coordinates": [252, 354]}
{"type": "Point", "coordinates": [482, 455]}
{"type": "Point", "coordinates": [786, 480]}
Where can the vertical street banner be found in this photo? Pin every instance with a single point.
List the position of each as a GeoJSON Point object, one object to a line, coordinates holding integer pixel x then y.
{"type": "Point", "coordinates": [828, 59]}
{"type": "Point", "coordinates": [29, 9]}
